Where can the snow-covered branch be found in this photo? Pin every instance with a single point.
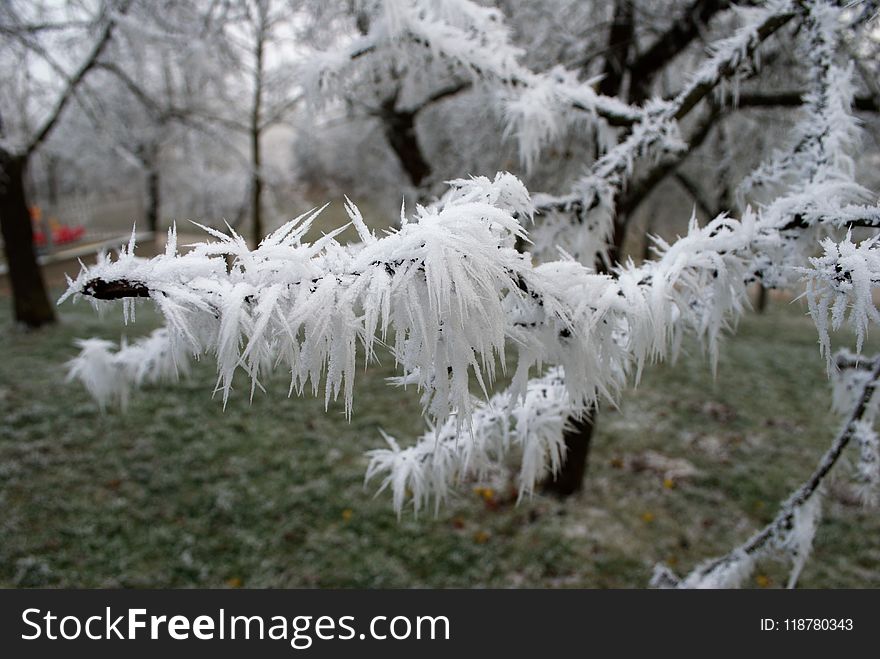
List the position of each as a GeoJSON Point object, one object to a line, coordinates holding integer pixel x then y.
{"type": "Point", "coordinates": [439, 284]}
{"type": "Point", "coordinates": [593, 198]}
{"type": "Point", "coordinates": [840, 284]}
{"type": "Point", "coordinates": [616, 325]}
{"type": "Point", "coordinates": [73, 81]}
{"type": "Point", "coordinates": [816, 193]}
{"type": "Point", "coordinates": [824, 138]}
{"type": "Point", "coordinates": [790, 534]}
{"type": "Point", "coordinates": [453, 291]}
{"type": "Point", "coordinates": [110, 372]}
{"type": "Point", "coordinates": [475, 42]}
{"type": "Point", "coordinates": [449, 285]}
{"type": "Point", "coordinates": [533, 423]}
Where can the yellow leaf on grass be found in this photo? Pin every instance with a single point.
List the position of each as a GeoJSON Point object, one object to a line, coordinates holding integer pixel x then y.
{"type": "Point", "coordinates": [481, 537]}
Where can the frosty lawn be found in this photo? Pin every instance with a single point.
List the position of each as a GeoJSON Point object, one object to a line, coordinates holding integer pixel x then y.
{"type": "Point", "coordinates": [179, 493]}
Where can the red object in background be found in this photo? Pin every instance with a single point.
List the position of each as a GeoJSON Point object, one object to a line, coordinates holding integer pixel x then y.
{"type": "Point", "coordinates": [62, 234]}
{"type": "Point", "coordinates": [67, 234]}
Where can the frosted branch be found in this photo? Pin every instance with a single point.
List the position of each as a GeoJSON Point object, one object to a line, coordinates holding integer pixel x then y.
{"type": "Point", "coordinates": [443, 456]}
{"type": "Point", "coordinates": [537, 107]}
{"type": "Point", "coordinates": [791, 532]}
{"type": "Point", "coordinates": [657, 132]}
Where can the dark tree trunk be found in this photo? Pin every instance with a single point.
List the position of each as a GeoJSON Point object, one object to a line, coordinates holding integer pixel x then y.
{"type": "Point", "coordinates": [400, 130]}
{"type": "Point", "coordinates": [763, 294]}
{"type": "Point", "coordinates": [618, 238]}
{"type": "Point", "coordinates": [620, 39]}
{"type": "Point", "coordinates": [399, 126]}
{"type": "Point", "coordinates": [256, 131]}
{"type": "Point", "coordinates": [154, 200]}
{"type": "Point", "coordinates": [29, 297]}
{"type": "Point", "coordinates": [570, 478]}
{"type": "Point", "coordinates": [256, 190]}
{"type": "Point", "coordinates": [647, 245]}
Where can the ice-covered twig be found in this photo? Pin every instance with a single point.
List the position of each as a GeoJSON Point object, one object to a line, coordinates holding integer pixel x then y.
{"type": "Point", "coordinates": [595, 195]}
{"type": "Point", "coordinates": [443, 456]}
{"type": "Point", "coordinates": [440, 284]}
{"type": "Point", "coordinates": [791, 531]}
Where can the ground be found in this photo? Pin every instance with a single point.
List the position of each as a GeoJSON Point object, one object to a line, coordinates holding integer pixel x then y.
{"type": "Point", "coordinates": [178, 492]}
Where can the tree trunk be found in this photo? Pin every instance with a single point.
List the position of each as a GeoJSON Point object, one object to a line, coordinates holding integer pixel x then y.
{"type": "Point", "coordinates": [763, 294]}
{"type": "Point", "coordinates": [400, 131]}
{"type": "Point", "coordinates": [256, 191]}
{"type": "Point", "coordinates": [29, 297]}
{"type": "Point", "coordinates": [618, 238]}
{"type": "Point", "coordinates": [570, 478]}
{"type": "Point", "coordinates": [256, 130]}
{"type": "Point", "coordinates": [647, 244]}
{"type": "Point", "coordinates": [154, 201]}
{"type": "Point", "coordinates": [620, 41]}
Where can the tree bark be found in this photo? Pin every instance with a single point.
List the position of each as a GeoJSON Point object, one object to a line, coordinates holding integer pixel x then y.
{"type": "Point", "coordinates": [29, 297]}
{"type": "Point", "coordinates": [256, 190]}
{"type": "Point", "coordinates": [620, 41]}
{"type": "Point", "coordinates": [578, 437]}
{"type": "Point", "coordinates": [400, 131]}
{"type": "Point", "coordinates": [154, 200]}
{"type": "Point", "coordinates": [763, 295]}
{"type": "Point", "coordinates": [256, 130]}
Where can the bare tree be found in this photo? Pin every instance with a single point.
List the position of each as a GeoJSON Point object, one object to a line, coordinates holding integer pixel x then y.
{"type": "Point", "coordinates": [260, 37]}
{"type": "Point", "coordinates": [30, 299]}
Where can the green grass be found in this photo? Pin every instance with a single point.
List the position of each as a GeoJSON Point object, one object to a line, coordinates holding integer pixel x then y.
{"type": "Point", "coordinates": [178, 492]}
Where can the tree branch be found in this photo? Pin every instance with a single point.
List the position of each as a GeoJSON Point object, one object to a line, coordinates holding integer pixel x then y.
{"type": "Point", "coordinates": [615, 167]}
{"type": "Point", "coordinates": [794, 99]}
{"type": "Point", "coordinates": [612, 110]}
{"type": "Point", "coordinates": [440, 94]}
{"type": "Point", "coordinates": [70, 90]}
{"type": "Point", "coordinates": [784, 519]}
{"type": "Point", "coordinates": [646, 66]}
{"type": "Point", "coordinates": [115, 290]}
{"type": "Point", "coordinates": [639, 191]}
{"type": "Point", "coordinates": [620, 42]}
{"type": "Point", "coordinates": [699, 89]}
